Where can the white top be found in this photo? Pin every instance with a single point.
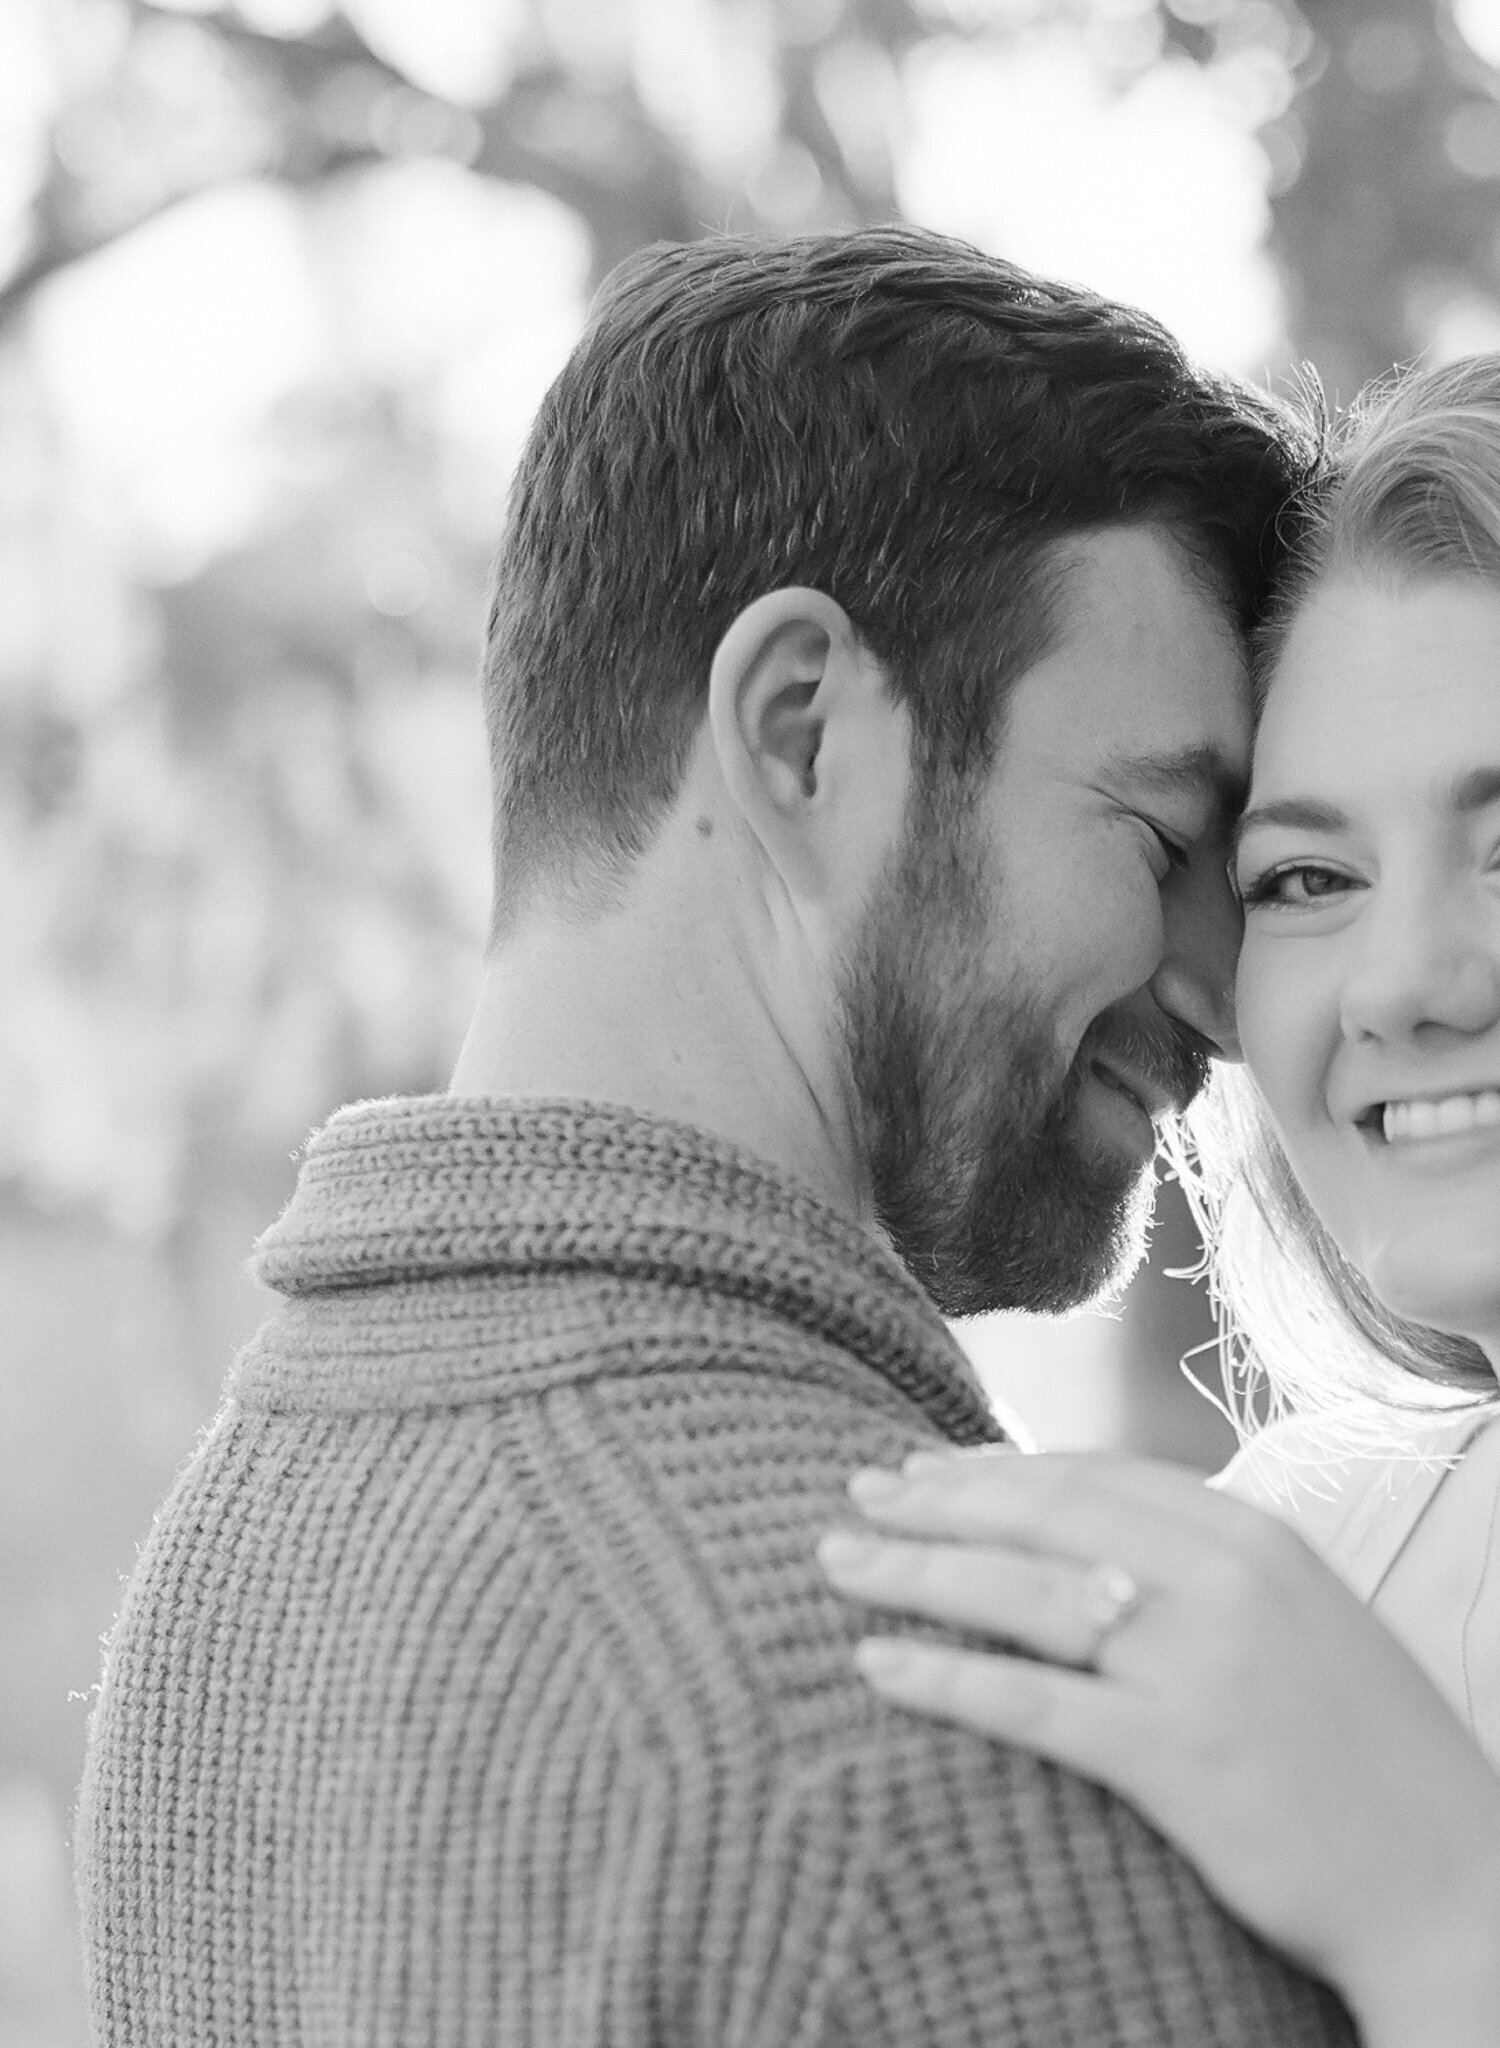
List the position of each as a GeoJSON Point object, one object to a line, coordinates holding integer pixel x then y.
{"type": "Point", "coordinates": [1417, 1536]}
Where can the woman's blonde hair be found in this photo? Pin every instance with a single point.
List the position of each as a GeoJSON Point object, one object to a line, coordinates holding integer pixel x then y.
{"type": "Point", "coordinates": [1407, 490]}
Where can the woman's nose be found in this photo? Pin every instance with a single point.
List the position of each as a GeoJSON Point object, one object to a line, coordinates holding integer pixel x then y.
{"type": "Point", "coordinates": [1428, 959]}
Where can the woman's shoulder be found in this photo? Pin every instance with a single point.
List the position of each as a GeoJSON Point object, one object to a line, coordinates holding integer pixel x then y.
{"type": "Point", "coordinates": [1350, 1444]}
{"type": "Point", "coordinates": [1354, 1485]}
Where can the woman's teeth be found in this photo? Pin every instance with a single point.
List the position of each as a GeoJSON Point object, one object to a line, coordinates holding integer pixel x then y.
{"type": "Point", "coordinates": [1440, 1117]}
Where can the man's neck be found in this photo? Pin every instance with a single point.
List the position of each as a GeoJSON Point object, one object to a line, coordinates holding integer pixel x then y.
{"type": "Point", "coordinates": [609, 1012]}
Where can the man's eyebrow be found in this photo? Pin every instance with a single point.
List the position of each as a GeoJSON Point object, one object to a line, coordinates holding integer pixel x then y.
{"type": "Point", "coordinates": [1201, 766]}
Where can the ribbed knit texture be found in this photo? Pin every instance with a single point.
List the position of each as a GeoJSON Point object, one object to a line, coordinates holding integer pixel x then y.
{"type": "Point", "coordinates": [476, 1684]}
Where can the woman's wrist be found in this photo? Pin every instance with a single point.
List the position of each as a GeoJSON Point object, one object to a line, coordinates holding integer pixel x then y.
{"type": "Point", "coordinates": [1439, 1986]}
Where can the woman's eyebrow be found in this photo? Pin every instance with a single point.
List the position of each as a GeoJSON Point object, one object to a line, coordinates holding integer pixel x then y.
{"type": "Point", "coordinates": [1471, 791]}
{"type": "Point", "coordinates": [1306, 813]}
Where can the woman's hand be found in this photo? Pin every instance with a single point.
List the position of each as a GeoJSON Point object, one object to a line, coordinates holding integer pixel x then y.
{"type": "Point", "coordinates": [1211, 1669]}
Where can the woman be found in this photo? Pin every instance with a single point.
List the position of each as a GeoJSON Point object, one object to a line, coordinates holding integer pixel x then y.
{"type": "Point", "coordinates": [1328, 1775]}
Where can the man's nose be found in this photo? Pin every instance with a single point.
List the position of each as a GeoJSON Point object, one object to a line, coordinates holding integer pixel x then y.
{"type": "Point", "coordinates": [1422, 956]}
{"type": "Point", "coordinates": [1202, 926]}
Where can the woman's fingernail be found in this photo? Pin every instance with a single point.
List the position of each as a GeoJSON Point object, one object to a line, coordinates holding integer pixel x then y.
{"type": "Point", "coordinates": [847, 1550]}
{"type": "Point", "coordinates": [926, 1464]}
{"type": "Point", "coordinates": [878, 1657]}
{"type": "Point", "coordinates": [872, 1487]}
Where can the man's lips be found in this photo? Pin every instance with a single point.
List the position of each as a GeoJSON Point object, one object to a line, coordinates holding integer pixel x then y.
{"type": "Point", "coordinates": [1157, 1063]}
{"type": "Point", "coordinates": [1149, 1097]}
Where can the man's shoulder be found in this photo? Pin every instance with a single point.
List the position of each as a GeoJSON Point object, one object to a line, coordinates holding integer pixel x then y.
{"type": "Point", "coordinates": [695, 1501]}
{"type": "Point", "coordinates": [672, 1511]}
{"type": "Point", "coordinates": [598, 1611]}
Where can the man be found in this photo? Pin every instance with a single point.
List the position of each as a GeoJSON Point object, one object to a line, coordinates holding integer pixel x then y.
{"type": "Point", "coordinates": [867, 704]}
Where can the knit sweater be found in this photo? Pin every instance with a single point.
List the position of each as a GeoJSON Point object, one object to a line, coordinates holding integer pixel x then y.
{"type": "Point", "coordinates": [476, 1686]}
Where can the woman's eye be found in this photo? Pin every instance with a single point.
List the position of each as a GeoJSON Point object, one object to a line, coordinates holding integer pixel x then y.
{"type": "Point", "coordinates": [1296, 885]}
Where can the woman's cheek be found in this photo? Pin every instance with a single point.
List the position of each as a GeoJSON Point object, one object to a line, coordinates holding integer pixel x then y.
{"type": "Point", "coordinates": [1268, 1008]}
{"type": "Point", "coordinates": [1251, 992]}
{"type": "Point", "coordinates": [1289, 1034]}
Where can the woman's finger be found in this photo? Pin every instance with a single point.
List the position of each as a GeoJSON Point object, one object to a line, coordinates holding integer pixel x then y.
{"type": "Point", "coordinates": [970, 1478]}
{"type": "Point", "coordinates": [1074, 1718]}
{"type": "Point", "coordinates": [1159, 1521]}
{"type": "Point", "coordinates": [1052, 1607]}
{"type": "Point", "coordinates": [1061, 1510]}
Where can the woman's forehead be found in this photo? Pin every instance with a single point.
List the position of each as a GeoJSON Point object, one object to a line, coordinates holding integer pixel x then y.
{"type": "Point", "coordinates": [1376, 674]}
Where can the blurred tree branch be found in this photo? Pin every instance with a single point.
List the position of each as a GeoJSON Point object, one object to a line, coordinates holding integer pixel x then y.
{"type": "Point", "coordinates": [1388, 203]}
{"type": "Point", "coordinates": [595, 149]}
{"type": "Point", "coordinates": [1384, 170]}
{"type": "Point", "coordinates": [324, 103]}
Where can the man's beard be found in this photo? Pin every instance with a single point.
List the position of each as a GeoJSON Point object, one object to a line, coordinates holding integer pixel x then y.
{"type": "Point", "coordinates": [989, 1189]}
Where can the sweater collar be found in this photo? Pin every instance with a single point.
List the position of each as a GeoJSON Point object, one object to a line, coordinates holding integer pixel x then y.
{"type": "Point", "coordinates": [438, 1187]}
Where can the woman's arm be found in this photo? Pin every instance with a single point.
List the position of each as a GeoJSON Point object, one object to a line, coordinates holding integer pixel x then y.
{"type": "Point", "coordinates": [1202, 1661]}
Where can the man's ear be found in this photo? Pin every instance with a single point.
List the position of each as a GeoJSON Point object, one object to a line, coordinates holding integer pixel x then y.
{"type": "Point", "coordinates": [812, 748]}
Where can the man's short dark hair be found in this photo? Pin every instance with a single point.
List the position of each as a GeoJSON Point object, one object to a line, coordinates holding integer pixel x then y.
{"type": "Point", "coordinates": [888, 416]}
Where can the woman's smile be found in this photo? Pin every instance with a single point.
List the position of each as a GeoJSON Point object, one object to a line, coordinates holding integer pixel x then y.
{"type": "Point", "coordinates": [1419, 1120]}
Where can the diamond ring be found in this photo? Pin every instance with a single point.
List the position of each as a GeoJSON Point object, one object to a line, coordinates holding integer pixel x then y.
{"type": "Point", "coordinates": [1108, 1597]}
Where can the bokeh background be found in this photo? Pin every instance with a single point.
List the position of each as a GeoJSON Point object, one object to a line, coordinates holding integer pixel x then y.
{"type": "Point", "coordinates": [280, 285]}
